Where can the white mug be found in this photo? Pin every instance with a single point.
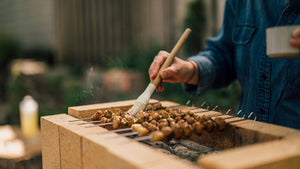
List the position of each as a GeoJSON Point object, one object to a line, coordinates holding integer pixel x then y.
{"type": "Point", "coordinates": [278, 42]}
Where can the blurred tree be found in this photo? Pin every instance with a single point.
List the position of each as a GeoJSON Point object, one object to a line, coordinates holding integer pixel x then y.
{"type": "Point", "coordinates": [9, 49]}
{"type": "Point", "coordinates": [196, 20]}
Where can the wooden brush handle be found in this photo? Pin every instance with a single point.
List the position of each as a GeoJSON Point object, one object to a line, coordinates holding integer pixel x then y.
{"type": "Point", "coordinates": [170, 58]}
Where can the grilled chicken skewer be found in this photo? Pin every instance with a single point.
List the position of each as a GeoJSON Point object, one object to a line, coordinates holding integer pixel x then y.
{"type": "Point", "coordinates": [163, 117]}
{"type": "Point", "coordinates": [178, 130]}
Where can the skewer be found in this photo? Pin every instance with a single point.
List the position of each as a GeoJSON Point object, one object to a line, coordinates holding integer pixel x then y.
{"type": "Point", "coordinates": [238, 113]}
{"type": "Point", "coordinates": [102, 124]}
{"type": "Point", "coordinates": [90, 118]}
{"type": "Point", "coordinates": [89, 122]}
{"type": "Point", "coordinates": [215, 108]}
{"type": "Point", "coordinates": [203, 104]}
{"type": "Point", "coordinates": [124, 134]}
{"type": "Point", "coordinates": [227, 112]}
{"type": "Point", "coordinates": [115, 131]}
{"type": "Point", "coordinates": [255, 116]}
{"type": "Point", "coordinates": [153, 136]}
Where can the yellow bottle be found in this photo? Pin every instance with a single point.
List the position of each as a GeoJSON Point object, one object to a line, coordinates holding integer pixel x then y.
{"type": "Point", "coordinates": [29, 116]}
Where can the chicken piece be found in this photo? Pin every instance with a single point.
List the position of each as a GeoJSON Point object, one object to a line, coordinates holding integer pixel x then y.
{"type": "Point", "coordinates": [189, 119]}
{"type": "Point", "coordinates": [135, 127]}
{"type": "Point", "coordinates": [116, 112]}
{"type": "Point", "coordinates": [187, 131]}
{"type": "Point", "coordinates": [170, 119]}
{"type": "Point", "coordinates": [163, 124]}
{"type": "Point", "coordinates": [157, 106]}
{"type": "Point", "coordinates": [97, 115]}
{"type": "Point", "coordinates": [108, 113]}
{"type": "Point", "coordinates": [209, 124]}
{"type": "Point", "coordinates": [178, 131]}
{"type": "Point", "coordinates": [142, 116]}
{"type": "Point", "coordinates": [129, 118]}
{"type": "Point", "coordinates": [149, 107]}
{"type": "Point", "coordinates": [184, 111]}
{"type": "Point", "coordinates": [205, 118]}
{"type": "Point", "coordinates": [162, 120]}
{"type": "Point", "coordinates": [220, 122]}
{"type": "Point", "coordinates": [125, 122]}
{"type": "Point", "coordinates": [197, 118]}
{"type": "Point", "coordinates": [152, 127]}
{"type": "Point", "coordinates": [173, 112]}
{"type": "Point", "coordinates": [180, 122]}
{"type": "Point", "coordinates": [168, 133]}
{"type": "Point", "coordinates": [156, 136]}
{"type": "Point", "coordinates": [145, 124]}
{"type": "Point", "coordinates": [177, 118]}
{"type": "Point", "coordinates": [116, 122]}
{"type": "Point", "coordinates": [198, 127]}
{"type": "Point", "coordinates": [172, 123]}
{"type": "Point", "coordinates": [154, 115]}
{"type": "Point", "coordinates": [104, 120]}
{"type": "Point", "coordinates": [164, 114]}
{"type": "Point", "coordinates": [154, 122]}
{"type": "Point", "coordinates": [142, 131]}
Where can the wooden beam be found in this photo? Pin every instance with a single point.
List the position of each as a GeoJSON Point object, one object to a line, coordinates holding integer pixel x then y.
{"type": "Point", "coordinates": [277, 154]}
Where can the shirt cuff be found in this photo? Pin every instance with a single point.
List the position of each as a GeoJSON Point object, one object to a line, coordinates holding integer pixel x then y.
{"type": "Point", "coordinates": [207, 76]}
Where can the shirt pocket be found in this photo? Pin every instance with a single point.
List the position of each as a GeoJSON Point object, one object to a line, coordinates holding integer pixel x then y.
{"type": "Point", "coordinates": [242, 33]}
{"type": "Point", "coordinates": [293, 74]}
{"type": "Point", "coordinates": [241, 36]}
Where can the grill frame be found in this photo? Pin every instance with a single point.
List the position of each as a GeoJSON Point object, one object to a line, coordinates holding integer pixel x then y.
{"type": "Point", "coordinates": [68, 145]}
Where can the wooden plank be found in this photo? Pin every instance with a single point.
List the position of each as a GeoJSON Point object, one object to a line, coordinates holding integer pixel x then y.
{"type": "Point", "coordinates": [88, 110]}
{"type": "Point", "coordinates": [275, 154]}
{"type": "Point", "coordinates": [98, 152]}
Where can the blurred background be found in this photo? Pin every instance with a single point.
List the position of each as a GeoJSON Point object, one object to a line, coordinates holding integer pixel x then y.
{"type": "Point", "coordinates": [71, 53]}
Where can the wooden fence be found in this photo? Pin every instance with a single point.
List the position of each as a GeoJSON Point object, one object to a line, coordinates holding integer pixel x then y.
{"type": "Point", "coordinates": [89, 31]}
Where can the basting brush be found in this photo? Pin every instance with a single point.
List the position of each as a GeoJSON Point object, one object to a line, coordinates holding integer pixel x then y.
{"type": "Point", "coordinates": [143, 99]}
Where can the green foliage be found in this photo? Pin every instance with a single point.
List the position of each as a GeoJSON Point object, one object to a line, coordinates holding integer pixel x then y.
{"type": "Point", "coordinates": [9, 48]}
{"type": "Point", "coordinates": [196, 20]}
{"type": "Point", "coordinates": [76, 94]}
{"type": "Point", "coordinates": [54, 92]}
{"type": "Point", "coordinates": [135, 58]}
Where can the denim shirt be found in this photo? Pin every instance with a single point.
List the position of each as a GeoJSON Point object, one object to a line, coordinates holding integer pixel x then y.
{"type": "Point", "coordinates": [270, 87]}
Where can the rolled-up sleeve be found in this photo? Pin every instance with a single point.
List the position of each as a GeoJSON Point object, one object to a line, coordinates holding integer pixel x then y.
{"type": "Point", "coordinates": [215, 62]}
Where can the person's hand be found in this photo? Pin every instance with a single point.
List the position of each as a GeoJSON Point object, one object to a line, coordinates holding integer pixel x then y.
{"type": "Point", "coordinates": [295, 40]}
{"type": "Point", "coordinates": [179, 71]}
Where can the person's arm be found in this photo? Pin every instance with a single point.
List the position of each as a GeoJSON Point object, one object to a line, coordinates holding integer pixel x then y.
{"type": "Point", "coordinates": [211, 68]}
{"type": "Point", "coordinates": [295, 40]}
{"type": "Point", "coordinates": [216, 62]}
